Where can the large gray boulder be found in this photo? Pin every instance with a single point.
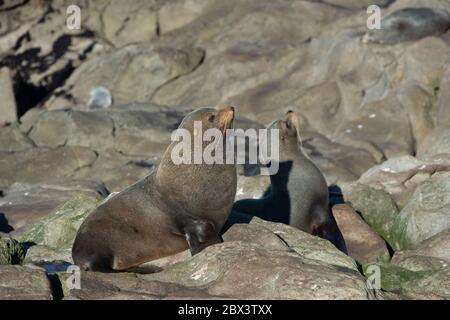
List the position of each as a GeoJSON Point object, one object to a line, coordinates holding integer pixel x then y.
{"type": "Point", "coordinates": [376, 207]}
{"type": "Point", "coordinates": [426, 214]}
{"type": "Point", "coordinates": [244, 269]}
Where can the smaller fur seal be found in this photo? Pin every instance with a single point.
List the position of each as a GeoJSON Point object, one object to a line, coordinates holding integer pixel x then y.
{"type": "Point", "coordinates": [298, 194]}
{"type": "Point", "coordinates": [409, 24]}
{"type": "Point", "coordinates": [176, 207]}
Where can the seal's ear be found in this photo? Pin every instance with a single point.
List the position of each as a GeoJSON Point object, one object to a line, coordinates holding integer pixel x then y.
{"type": "Point", "coordinates": [292, 122]}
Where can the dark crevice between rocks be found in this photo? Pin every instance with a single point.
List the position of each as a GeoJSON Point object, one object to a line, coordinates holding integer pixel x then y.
{"type": "Point", "coordinates": [390, 249]}
{"type": "Point", "coordinates": [55, 286]}
{"type": "Point", "coordinates": [87, 165]}
{"type": "Point", "coordinates": [335, 6]}
{"type": "Point", "coordinates": [141, 164]}
{"type": "Point", "coordinates": [342, 7]}
{"type": "Point", "coordinates": [285, 243]}
{"type": "Point", "coordinates": [114, 126]}
{"type": "Point", "coordinates": [23, 38]}
{"type": "Point", "coordinates": [360, 268]}
{"type": "Point", "coordinates": [29, 95]}
{"type": "Point", "coordinates": [44, 18]}
{"type": "Point", "coordinates": [122, 26]}
{"type": "Point", "coordinates": [414, 143]}
{"type": "Point", "coordinates": [5, 227]}
{"type": "Point", "coordinates": [158, 26]}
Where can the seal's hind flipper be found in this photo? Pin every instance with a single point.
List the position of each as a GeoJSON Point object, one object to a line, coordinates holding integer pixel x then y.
{"type": "Point", "coordinates": [201, 234]}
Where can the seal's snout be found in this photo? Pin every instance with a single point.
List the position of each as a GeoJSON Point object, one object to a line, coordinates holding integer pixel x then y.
{"type": "Point", "coordinates": [291, 119]}
{"type": "Point", "coordinates": [226, 116]}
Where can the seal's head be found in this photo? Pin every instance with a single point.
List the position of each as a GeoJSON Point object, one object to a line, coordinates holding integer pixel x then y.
{"type": "Point", "coordinates": [288, 127]}
{"type": "Point", "coordinates": [210, 118]}
{"type": "Point", "coordinates": [289, 141]}
{"type": "Point", "coordinates": [215, 183]}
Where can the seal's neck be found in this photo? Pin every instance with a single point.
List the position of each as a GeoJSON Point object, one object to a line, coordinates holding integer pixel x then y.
{"type": "Point", "coordinates": [197, 187]}
{"type": "Point", "coordinates": [288, 166]}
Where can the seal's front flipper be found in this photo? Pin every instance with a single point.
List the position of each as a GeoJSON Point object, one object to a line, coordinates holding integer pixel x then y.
{"type": "Point", "coordinates": [201, 234]}
{"type": "Point", "coordinates": [330, 231]}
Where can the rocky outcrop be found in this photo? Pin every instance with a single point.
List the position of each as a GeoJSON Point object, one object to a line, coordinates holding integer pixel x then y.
{"type": "Point", "coordinates": [143, 69]}
{"type": "Point", "coordinates": [41, 51]}
{"type": "Point", "coordinates": [259, 261]}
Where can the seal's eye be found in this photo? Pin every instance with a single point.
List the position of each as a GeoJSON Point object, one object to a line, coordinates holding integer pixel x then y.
{"type": "Point", "coordinates": [211, 118]}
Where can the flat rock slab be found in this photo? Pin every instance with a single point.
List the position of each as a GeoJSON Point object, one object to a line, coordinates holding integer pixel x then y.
{"type": "Point", "coordinates": [24, 283]}
{"type": "Point", "coordinates": [127, 286]}
{"type": "Point", "coordinates": [39, 164]}
{"type": "Point", "coordinates": [363, 243]}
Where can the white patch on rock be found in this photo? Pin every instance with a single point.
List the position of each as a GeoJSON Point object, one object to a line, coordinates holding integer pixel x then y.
{"type": "Point", "coordinates": [100, 97]}
{"type": "Point", "coordinates": [200, 273]}
{"type": "Point", "coordinates": [387, 169]}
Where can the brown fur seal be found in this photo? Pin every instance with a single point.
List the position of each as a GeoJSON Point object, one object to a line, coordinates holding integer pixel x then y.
{"type": "Point", "coordinates": [174, 208]}
{"type": "Point", "coordinates": [409, 24]}
{"type": "Point", "coordinates": [298, 194]}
